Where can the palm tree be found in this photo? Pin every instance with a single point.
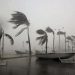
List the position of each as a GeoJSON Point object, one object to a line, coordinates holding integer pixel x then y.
{"type": "Point", "coordinates": [62, 33]}
{"type": "Point", "coordinates": [49, 30]}
{"type": "Point", "coordinates": [9, 37]}
{"type": "Point", "coordinates": [73, 43]}
{"type": "Point", "coordinates": [0, 39]}
{"type": "Point", "coordinates": [73, 37]}
{"type": "Point", "coordinates": [43, 39]}
{"type": "Point", "coordinates": [67, 41]}
{"type": "Point", "coordinates": [69, 38]}
{"type": "Point", "coordinates": [19, 19]}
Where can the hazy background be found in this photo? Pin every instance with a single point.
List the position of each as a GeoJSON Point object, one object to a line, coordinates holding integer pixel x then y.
{"type": "Point", "coordinates": [40, 13]}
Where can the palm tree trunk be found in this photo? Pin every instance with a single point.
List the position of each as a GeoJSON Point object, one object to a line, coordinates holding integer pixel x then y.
{"type": "Point", "coordinates": [3, 44]}
{"type": "Point", "coordinates": [65, 42]}
{"type": "Point", "coordinates": [72, 46]}
{"type": "Point", "coordinates": [53, 41]}
{"type": "Point", "coordinates": [23, 46]}
{"type": "Point", "coordinates": [0, 48]}
{"type": "Point", "coordinates": [46, 45]}
{"type": "Point", "coordinates": [29, 42]}
{"type": "Point", "coordinates": [59, 42]}
{"type": "Point", "coordinates": [68, 45]}
{"type": "Point", "coordinates": [29, 66]}
{"type": "Point", "coordinates": [72, 50]}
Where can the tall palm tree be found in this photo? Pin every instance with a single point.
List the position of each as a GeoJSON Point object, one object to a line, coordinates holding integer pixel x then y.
{"type": "Point", "coordinates": [49, 30]}
{"type": "Point", "coordinates": [3, 37]}
{"type": "Point", "coordinates": [69, 38]}
{"type": "Point", "coordinates": [62, 33]}
{"type": "Point", "coordinates": [73, 37]}
{"type": "Point", "coordinates": [73, 43]}
{"type": "Point", "coordinates": [67, 41]}
{"type": "Point", "coordinates": [43, 39]}
{"type": "Point", "coordinates": [0, 39]}
{"type": "Point", "coordinates": [19, 18]}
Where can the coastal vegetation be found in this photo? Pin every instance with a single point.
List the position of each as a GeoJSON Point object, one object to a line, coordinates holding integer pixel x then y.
{"type": "Point", "coordinates": [19, 18]}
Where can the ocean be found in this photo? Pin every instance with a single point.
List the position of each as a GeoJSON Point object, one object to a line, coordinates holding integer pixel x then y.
{"type": "Point", "coordinates": [34, 66]}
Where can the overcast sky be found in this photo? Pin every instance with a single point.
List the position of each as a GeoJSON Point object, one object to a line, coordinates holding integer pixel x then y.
{"type": "Point", "coordinates": [40, 13]}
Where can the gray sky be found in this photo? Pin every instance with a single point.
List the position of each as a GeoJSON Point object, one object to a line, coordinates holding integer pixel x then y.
{"type": "Point", "coordinates": [41, 13]}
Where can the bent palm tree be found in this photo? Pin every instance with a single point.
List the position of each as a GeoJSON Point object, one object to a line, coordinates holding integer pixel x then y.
{"type": "Point", "coordinates": [49, 30]}
{"type": "Point", "coordinates": [0, 39]}
{"type": "Point", "coordinates": [43, 38]}
{"type": "Point", "coordinates": [62, 33]}
{"type": "Point", "coordinates": [69, 38]}
{"type": "Point", "coordinates": [9, 37]}
{"type": "Point", "coordinates": [18, 19]}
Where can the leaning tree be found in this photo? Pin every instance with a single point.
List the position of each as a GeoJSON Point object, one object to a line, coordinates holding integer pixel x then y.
{"type": "Point", "coordinates": [19, 18]}
{"type": "Point", "coordinates": [43, 39]}
{"type": "Point", "coordinates": [49, 30]}
{"type": "Point", "coordinates": [2, 37]}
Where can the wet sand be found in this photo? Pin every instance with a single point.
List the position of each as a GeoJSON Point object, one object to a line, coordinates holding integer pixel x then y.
{"type": "Point", "coordinates": [33, 66]}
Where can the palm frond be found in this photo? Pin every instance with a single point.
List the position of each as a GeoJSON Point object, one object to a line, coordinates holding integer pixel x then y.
{"type": "Point", "coordinates": [20, 31]}
{"type": "Point", "coordinates": [67, 41]}
{"type": "Point", "coordinates": [44, 40]}
{"type": "Point", "coordinates": [40, 37]}
{"type": "Point", "coordinates": [69, 38]}
{"type": "Point", "coordinates": [16, 26]}
{"type": "Point", "coordinates": [19, 18]}
{"type": "Point", "coordinates": [40, 41]}
{"type": "Point", "coordinates": [11, 39]}
{"type": "Point", "coordinates": [73, 36]}
{"type": "Point", "coordinates": [49, 30]}
{"type": "Point", "coordinates": [40, 31]}
{"type": "Point", "coordinates": [60, 33]}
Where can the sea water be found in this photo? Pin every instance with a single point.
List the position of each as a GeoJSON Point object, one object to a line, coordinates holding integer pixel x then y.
{"type": "Point", "coordinates": [34, 66]}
